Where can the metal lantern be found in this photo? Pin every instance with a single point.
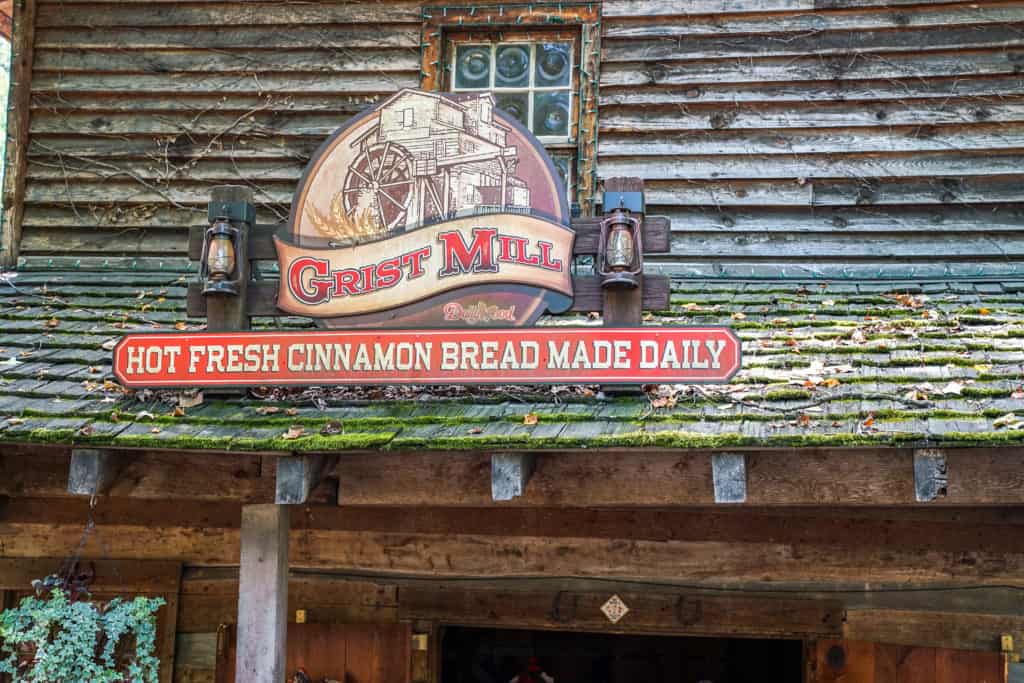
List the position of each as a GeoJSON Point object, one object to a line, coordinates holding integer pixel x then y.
{"type": "Point", "coordinates": [620, 252]}
{"type": "Point", "coordinates": [219, 270]}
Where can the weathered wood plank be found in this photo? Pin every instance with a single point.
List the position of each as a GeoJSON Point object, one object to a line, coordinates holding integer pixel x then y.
{"type": "Point", "coordinates": [813, 42]}
{"type": "Point", "coordinates": [850, 245]}
{"type": "Point", "coordinates": [321, 60]}
{"type": "Point", "coordinates": [386, 33]}
{"type": "Point", "coordinates": [124, 576]}
{"type": "Point", "coordinates": [298, 476]}
{"type": "Point", "coordinates": [661, 8]}
{"type": "Point", "coordinates": [250, 13]}
{"type": "Point", "coordinates": [704, 119]}
{"type": "Point", "coordinates": [796, 69]}
{"type": "Point", "coordinates": [893, 91]}
{"type": "Point", "coordinates": [633, 26]}
{"type": "Point", "coordinates": [275, 84]}
{"type": "Point", "coordinates": [93, 471]}
{"type": "Point", "coordinates": [510, 473]}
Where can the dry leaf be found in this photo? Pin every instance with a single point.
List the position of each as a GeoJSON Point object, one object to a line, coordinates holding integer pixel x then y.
{"type": "Point", "coordinates": [180, 325]}
{"type": "Point", "coordinates": [692, 306]}
{"type": "Point", "coordinates": [294, 432]}
{"type": "Point", "coordinates": [831, 382]}
{"type": "Point", "coordinates": [109, 345]}
{"type": "Point", "coordinates": [474, 430]}
{"type": "Point", "coordinates": [530, 419]}
{"type": "Point", "coordinates": [858, 337]}
{"type": "Point", "coordinates": [1010, 421]}
{"type": "Point", "coordinates": [94, 370]}
{"type": "Point", "coordinates": [15, 421]}
{"type": "Point", "coordinates": [1018, 392]}
{"type": "Point", "coordinates": [268, 410]}
{"type": "Point", "coordinates": [983, 367]}
{"type": "Point", "coordinates": [178, 411]}
{"type": "Point", "coordinates": [86, 430]}
{"type": "Point", "coordinates": [331, 428]}
{"type": "Point", "coordinates": [739, 316]}
{"type": "Point", "coordinates": [291, 412]}
{"type": "Point", "coordinates": [953, 388]}
{"type": "Point", "coordinates": [52, 322]}
{"type": "Point", "coordinates": [190, 400]}
{"type": "Point", "coordinates": [984, 311]}
{"type": "Point", "coordinates": [869, 420]}
{"type": "Point", "coordinates": [828, 302]}
{"type": "Point", "coordinates": [155, 430]}
{"type": "Point", "coordinates": [143, 414]}
{"type": "Point", "coordinates": [805, 420]}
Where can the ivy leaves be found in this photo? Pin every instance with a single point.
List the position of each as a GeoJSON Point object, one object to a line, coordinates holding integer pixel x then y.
{"type": "Point", "coordinates": [80, 642]}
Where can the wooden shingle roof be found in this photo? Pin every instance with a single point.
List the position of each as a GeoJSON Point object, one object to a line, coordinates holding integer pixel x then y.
{"type": "Point", "coordinates": [836, 364]}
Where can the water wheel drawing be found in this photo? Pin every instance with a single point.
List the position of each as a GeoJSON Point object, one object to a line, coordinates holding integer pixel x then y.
{"type": "Point", "coordinates": [381, 181]}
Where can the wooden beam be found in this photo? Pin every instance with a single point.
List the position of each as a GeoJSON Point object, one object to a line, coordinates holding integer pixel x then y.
{"type": "Point", "coordinates": [930, 474]}
{"type": "Point", "coordinates": [18, 120]}
{"type": "Point", "coordinates": [510, 473]}
{"type": "Point", "coordinates": [298, 476]}
{"type": "Point", "coordinates": [155, 475]}
{"type": "Point", "coordinates": [125, 576]}
{"type": "Point", "coordinates": [958, 630]}
{"type": "Point", "coordinates": [657, 611]}
{"type": "Point", "coordinates": [588, 296]}
{"type": "Point", "coordinates": [596, 478]}
{"type": "Point", "coordinates": [168, 630]}
{"type": "Point", "coordinates": [92, 471]}
{"type": "Point", "coordinates": [656, 238]}
{"type": "Point", "coordinates": [263, 594]}
{"type": "Point", "coordinates": [729, 472]}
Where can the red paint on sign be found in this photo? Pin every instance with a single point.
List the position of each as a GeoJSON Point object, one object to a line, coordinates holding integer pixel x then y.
{"type": "Point", "coordinates": [580, 355]}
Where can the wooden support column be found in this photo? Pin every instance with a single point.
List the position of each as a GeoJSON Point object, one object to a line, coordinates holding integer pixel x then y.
{"type": "Point", "coordinates": [18, 119]}
{"type": "Point", "coordinates": [298, 475]}
{"type": "Point", "coordinates": [263, 594]}
{"type": "Point", "coordinates": [510, 473]}
{"type": "Point", "coordinates": [92, 471]}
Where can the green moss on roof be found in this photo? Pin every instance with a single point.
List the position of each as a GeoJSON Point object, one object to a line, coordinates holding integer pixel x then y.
{"type": "Point", "coordinates": [57, 390]}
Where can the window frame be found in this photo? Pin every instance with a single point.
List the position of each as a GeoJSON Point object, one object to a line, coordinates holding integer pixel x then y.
{"type": "Point", "coordinates": [545, 22]}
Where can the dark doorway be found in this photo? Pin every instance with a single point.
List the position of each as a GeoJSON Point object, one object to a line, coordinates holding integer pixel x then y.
{"type": "Point", "coordinates": [481, 655]}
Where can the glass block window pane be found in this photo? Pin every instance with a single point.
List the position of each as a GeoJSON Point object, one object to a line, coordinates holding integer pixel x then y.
{"type": "Point", "coordinates": [532, 81]}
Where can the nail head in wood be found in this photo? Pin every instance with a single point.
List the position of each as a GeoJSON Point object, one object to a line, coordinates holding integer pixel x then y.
{"type": "Point", "coordinates": [729, 473]}
{"type": "Point", "coordinates": [92, 472]}
{"type": "Point", "coordinates": [509, 474]}
{"type": "Point", "coordinates": [930, 474]}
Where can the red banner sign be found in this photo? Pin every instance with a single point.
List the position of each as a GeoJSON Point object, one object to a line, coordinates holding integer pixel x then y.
{"type": "Point", "coordinates": [504, 356]}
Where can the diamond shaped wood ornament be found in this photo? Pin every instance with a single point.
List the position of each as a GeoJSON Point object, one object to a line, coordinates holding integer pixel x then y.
{"type": "Point", "coordinates": [615, 609]}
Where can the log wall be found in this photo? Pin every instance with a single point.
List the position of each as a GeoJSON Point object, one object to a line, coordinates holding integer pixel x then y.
{"type": "Point", "coordinates": [832, 136]}
{"type": "Point", "coordinates": [797, 137]}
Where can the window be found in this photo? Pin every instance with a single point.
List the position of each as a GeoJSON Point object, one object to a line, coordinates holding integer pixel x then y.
{"type": "Point", "coordinates": [530, 81]}
{"type": "Point", "coordinates": [540, 61]}
{"type": "Point", "coordinates": [408, 118]}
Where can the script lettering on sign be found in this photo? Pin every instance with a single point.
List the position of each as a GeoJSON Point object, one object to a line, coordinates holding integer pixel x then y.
{"type": "Point", "coordinates": [426, 205]}
{"type": "Point", "coordinates": [538, 355]}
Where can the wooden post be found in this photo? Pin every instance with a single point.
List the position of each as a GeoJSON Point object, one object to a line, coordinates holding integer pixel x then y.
{"type": "Point", "coordinates": [262, 595]}
{"type": "Point", "coordinates": [298, 475]}
{"type": "Point", "coordinates": [623, 307]}
{"type": "Point", "coordinates": [18, 112]}
{"type": "Point", "coordinates": [226, 313]}
{"type": "Point", "coordinates": [510, 473]}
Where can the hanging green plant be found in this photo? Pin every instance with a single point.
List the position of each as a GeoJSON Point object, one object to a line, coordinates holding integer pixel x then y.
{"type": "Point", "coordinates": [54, 639]}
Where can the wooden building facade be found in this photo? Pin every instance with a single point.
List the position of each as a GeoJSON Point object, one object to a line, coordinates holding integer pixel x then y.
{"type": "Point", "coordinates": [843, 186]}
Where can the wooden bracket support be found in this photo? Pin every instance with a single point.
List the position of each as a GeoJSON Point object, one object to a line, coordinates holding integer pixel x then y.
{"type": "Point", "coordinates": [729, 473]}
{"type": "Point", "coordinates": [298, 475]}
{"type": "Point", "coordinates": [509, 474]}
{"type": "Point", "coordinates": [92, 471]}
{"type": "Point", "coordinates": [930, 474]}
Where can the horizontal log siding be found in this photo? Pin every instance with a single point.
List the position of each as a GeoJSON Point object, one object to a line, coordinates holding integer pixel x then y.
{"type": "Point", "coordinates": [140, 106]}
{"type": "Point", "coordinates": [821, 136]}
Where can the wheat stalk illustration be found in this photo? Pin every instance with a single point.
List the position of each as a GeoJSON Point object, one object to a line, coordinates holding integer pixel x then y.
{"type": "Point", "coordinates": [339, 227]}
